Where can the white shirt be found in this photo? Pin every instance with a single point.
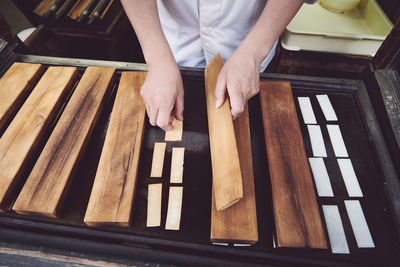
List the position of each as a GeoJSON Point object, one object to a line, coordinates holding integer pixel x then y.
{"type": "Point", "coordinates": [197, 30]}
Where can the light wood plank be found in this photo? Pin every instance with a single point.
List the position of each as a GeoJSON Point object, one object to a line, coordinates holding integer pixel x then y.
{"type": "Point", "coordinates": [49, 181]}
{"type": "Point", "coordinates": [239, 222]}
{"type": "Point", "coordinates": [297, 219]}
{"type": "Point", "coordinates": [77, 9]}
{"type": "Point", "coordinates": [174, 208]}
{"type": "Point", "coordinates": [158, 159]}
{"type": "Point", "coordinates": [26, 131]}
{"type": "Point", "coordinates": [178, 156]}
{"type": "Point", "coordinates": [15, 86]}
{"type": "Point", "coordinates": [154, 205]}
{"type": "Point", "coordinates": [111, 200]}
{"type": "Point", "coordinates": [176, 133]}
{"type": "Point", "coordinates": [42, 8]}
{"type": "Point", "coordinates": [227, 178]}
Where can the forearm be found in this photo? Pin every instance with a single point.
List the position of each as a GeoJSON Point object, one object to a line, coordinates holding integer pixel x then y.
{"type": "Point", "coordinates": [273, 20]}
{"type": "Point", "coordinates": [144, 18]}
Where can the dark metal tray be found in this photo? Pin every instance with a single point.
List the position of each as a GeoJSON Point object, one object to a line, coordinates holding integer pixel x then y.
{"type": "Point", "coordinates": [191, 244]}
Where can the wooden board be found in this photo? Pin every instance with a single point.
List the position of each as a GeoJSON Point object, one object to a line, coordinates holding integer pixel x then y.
{"type": "Point", "coordinates": [176, 133]}
{"type": "Point", "coordinates": [177, 161]}
{"type": "Point", "coordinates": [113, 192]}
{"type": "Point", "coordinates": [32, 121]}
{"type": "Point", "coordinates": [154, 194]}
{"type": "Point", "coordinates": [49, 181]}
{"type": "Point", "coordinates": [173, 221]}
{"type": "Point", "coordinates": [158, 159]}
{"type": "Point", "coordinates": [227, 178]}
{"type": "Point", "coordinates": [44, 5]}
{"type": "Point", "coordinates": [238, 224]}
{"type": "Point", "coordinates": [15, 85]}
{"type": "Point", "coordinates": [77, 9]}
{"type": "Point", "coordinates": [297, 219]}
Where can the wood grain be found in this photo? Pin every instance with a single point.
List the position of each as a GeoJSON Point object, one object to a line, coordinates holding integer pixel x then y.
{"type": "Point", "coordinates": [227, 178]}
{"type": "Point", "coordinates": [15, 86]}
{"type": "Point", "coordinates": [30, 124]}
{"type": "Point", "coordinates": [158, 159]}
{"type": "Point", "coordinates": [173, 221]}
{"type": "Point", "coordinates": [42, 8]}
{"type": "Point", "coordinates": [111, 200]}
{"type": "Point", "coordinates": [154, 197]}
{"type": "Point", "coordinates": [77, 9]}
{"type": "Point", "coordinates": [297, 219]}
{"type": "Point", "coordinates": [49, 181]}
{"type": "Point", "coordinates": [177, 161]}
{"type": "Point", "coordinates": [238, 224]}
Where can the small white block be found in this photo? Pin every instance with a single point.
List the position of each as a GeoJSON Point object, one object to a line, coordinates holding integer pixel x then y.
{"type": "Point", "coordinates": [337, 141]}
{"type": "Point", "coordinates": [327, 107]}
{"type": "Point", "coordinates": [317, 141]}
{"type": "Point", "coordinates": [349, 177]}
{"type": "Point", "coordinates": [359, 224]}
{"type": "Point", "coordinates": [307, 110]}
{"type": "Point", "coordinates": [337, 237]}
{"type": "Point", "coordinates": [321, 177]}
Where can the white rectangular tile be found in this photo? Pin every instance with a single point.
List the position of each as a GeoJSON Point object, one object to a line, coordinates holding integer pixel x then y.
{"type": "Point", "coordinates": [337, 237]}
{"type": "Point", "coordinates": [327, 108]}
{"type": "Point", "coordinates": [359, 224]}
{"type": "Point", "coordinates": [337, 140]}
{"type": "Point", "coordinates": [317, 141]}
{"type": "Point", "coordinates": [349, 178]}
{"type": "Point", "coordinates": [321, 177]}
{"type": "Point", "coordinates": [307, 110]}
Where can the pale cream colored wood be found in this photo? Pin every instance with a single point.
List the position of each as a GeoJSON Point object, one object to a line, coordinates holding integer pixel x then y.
{"type": "Point", "coordinates": [112, 196]}
{"type": "Point", "coordinates": [227, 177]}
{"type": "Point", "coordinates": [158, 159]}
{"type": "Point", "coordinates": [174, 208]}
{"type": "Point", "coordinates": [154, 205]}
{"type": "Point", "coordinates": [27, 129]}
{"type": "Point", "coordinates": [48, 184]}
{"type": "Point", "coordinates": [178, 155]}
{"type": "Point", "coordinates": [176, 133]}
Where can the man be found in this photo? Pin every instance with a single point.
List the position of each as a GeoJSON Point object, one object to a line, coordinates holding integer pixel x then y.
{"type": "Point", "coordinates": [190, 33]}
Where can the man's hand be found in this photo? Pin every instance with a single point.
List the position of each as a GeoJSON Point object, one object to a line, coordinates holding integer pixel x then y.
{"type": "Point", "coordinates": [240, 76]}
{"type": "Point", "coordinates": [161, 92]}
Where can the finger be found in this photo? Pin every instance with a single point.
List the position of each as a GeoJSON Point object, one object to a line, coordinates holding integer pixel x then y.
{"type": "Point", "coordinates": [153, 113]}
{"type": "Point", "coordinates": [179, 106]}
{"type": "Point", "coordinates": [164, 119]}
{"type": "Point", "coordinates": [237, 102]}
{"type": "Point", "coordinates": [220, 90]}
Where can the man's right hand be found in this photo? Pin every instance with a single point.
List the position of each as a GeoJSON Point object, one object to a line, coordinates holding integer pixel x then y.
{"type": "Point", "coordinates": [162, 93]}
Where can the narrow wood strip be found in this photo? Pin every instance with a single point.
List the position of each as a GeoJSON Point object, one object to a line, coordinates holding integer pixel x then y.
{"type": "Point", "coordinates": [30, 124]}
{"type": "Point", "coordinates": [306, 110]}
{"type": "Point", "coordinates": [113, 192]}
{"type": "Point", "coordinates": [321, 177]}
{"type": "Point", "coordinates": [239, 222]}
{"type": "Point", "coordinates": [227, 177]}
{"type": "Point", "coordinates": [77, 9]}
{"type": "Point", "coordinates": [154, 205]}
{"type": "Point", "coordinates": [42, 8]}
{"type": "Point", "coordinates": [158, 159]}
{"type": "Point", "coordinates": [317, 141]}
{"type": "Point", "coordinates": [49, 181]}
{"type": "Point", "coordinates": [174, 208]}
{"type": "Point", "coordinates": [350, 178]}
{"type": "Point", "coordinates": [337, 237]}
{"type": "Point", "coordinates": [107, 9]}
{"type": "Point", "coordinates": [297, 219]}
{"type": "Point", "coordinates": [176, 133]}
{"type": "Point", "coordinates": [178, 156]}
{"type": "Point", "coordinates": [15, 86]}
{"type": "Point", "coordinates": [327, 108]}
{"type": "Point", "coordinates": [337, 141]}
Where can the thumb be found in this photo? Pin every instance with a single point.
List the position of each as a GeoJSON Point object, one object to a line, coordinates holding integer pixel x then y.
{"type": "Point", "coordinates": [179, 106]}
{"type": "Point", "coordinates": [220, 90]}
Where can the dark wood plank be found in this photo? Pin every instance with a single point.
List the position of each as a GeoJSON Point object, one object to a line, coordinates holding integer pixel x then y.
{"type": "Point", "coordinates": [111, 200]}
{"type": "Point", "coordinates": [297, 219]}
{"type": "Point", "coordinates": [238, 223]}
{"type": "Point", "coordinates": [48, 183]}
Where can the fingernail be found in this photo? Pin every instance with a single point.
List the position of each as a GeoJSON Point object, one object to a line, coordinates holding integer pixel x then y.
{"type": "Point", "coordinates": [217, 103]}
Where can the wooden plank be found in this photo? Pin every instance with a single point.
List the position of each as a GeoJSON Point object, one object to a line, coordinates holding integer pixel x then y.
{"type": "Point", "coordinates": [178, 156]}
{"type": "Point", "coordinates": [158, 159]}
{"type": "Point", "coordinates": [42, 8]}
{"type": "Point", "coordinates": [49, 181]}
{"type": "Point", "coordinates": [154, 205]}
{"type": "Point", "coordinates": [239, 222]}
{"type": "Point", "coordinates": [15, 85]}
{"type": "Point", "coordinates": [297, 219]}
{"type": "Point", "coordinates": [174, 208]}
{"type": "Point", "coordinates": [113, 192]}
{"type": "Point", "coordinates": [77, 9]}
{"type": "Point", "coordinates": [176, 133]}
{"type": "Point", "coordinates": [26, 131]}
{"type": "Point", "coordinates": [227, 178]}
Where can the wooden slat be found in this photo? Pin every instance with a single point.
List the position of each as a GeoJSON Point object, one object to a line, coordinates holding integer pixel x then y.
{"type": "Point", "coordinates": [173, 221]}
{"type": "Point", "coordinates": [238, 223]}
{"type": "Point", "coordinates": [42, 8]}
{"type": "Point", "coordinates": [227, 178]}
{"type": "Point", "coordinates": [176, 133]}
{"type": "Point", "coordinates": [297, 219]}
{"type": "Point", "coordinates": [158, 159]}
{"type": "Point", "coordinates": [15, 85]}
{"type": "Point", "coordinates": [77, 9]}
{"type": "Point", "coordinates": [28, 127]}
{"type": "Point", "coordinates": [111, 200]}
{"type": "Point", "coordinates": [177, 161]}
{"type": "Point", "coordinates": [48, 183]}
{"type": "Point", "coordinates": [154, 198]}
